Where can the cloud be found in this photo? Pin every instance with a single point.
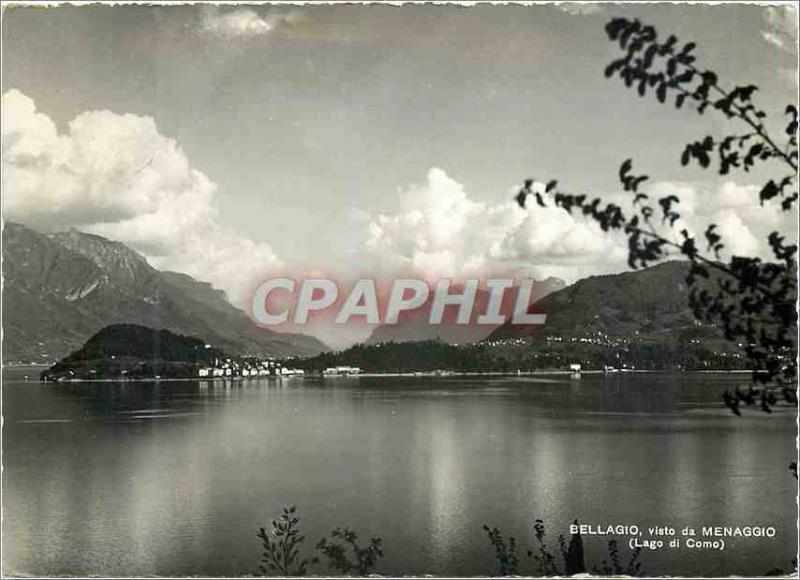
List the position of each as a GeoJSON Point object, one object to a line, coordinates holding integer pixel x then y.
{"type": "Point", "coordinates": [242, 22]}
{"type": "Point", "coordinates": [781, 27]}
{"type": "Point", "coordinates": [580, 8]}
{"type": "Point", "coordinates": [117, 176]}
{"type": "Point", "coordinates": [438, 231]}
{"type": "Point", "coordinates": [741, 220]}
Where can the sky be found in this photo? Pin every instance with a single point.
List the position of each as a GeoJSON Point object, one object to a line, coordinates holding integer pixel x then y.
{"type": "Point", "coordinates": [232, 142]}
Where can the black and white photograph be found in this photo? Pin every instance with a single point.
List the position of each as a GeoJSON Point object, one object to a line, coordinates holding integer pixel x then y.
{"type": "Point", "coordinates": [399, 289]}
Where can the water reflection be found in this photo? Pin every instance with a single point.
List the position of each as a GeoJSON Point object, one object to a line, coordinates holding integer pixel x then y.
{"type": "Point", "coordinates": [174, 478]}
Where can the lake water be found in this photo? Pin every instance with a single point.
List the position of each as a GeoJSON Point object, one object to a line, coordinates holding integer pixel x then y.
{"type": "Point", "coordinates": [175, 478]}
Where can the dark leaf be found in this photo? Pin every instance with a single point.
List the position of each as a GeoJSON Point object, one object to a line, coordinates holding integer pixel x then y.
{"type": "Point", "coordinates": [625, 168]}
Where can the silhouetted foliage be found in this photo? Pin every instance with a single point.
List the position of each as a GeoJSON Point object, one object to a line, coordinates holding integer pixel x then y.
{"type": "Point", "coordinates": [281, 545]}
{"type": "Point", "coordinates": [613, 566]}
{"type": "Point", "coordinates": [543, 557]}
{"type": "Point", "coordinates": [573, 554]}
{"type": "Point", "coordinates": [547, 564]}
{"type": "Point", "coordinates": [344, 545]}
{"type": "Point", "coordinates": [751, 300]}
{"type": "Point", "coordinates": [505, 554]}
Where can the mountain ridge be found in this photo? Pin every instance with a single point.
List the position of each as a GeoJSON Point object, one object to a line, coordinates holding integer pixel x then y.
{"type": "Point", "coordinates": [413, 325]}
{"type": "Point", "coordinates": [643, 303]}
{"type": "Point", "coordinates": [62, 288]}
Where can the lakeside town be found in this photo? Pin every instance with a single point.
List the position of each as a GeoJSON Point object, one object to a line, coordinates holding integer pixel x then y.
{"type": "Point", "coordinates": [231, 368]}
{"type": "Point", "coordinates": [125, 352]}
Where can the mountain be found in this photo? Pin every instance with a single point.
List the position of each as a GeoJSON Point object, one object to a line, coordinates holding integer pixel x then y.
{"type": "Point", "coordinates": [648, 304]}
{"type": "Point", "coordinates": [61, 289]}
{"type": "Point", "coordinates": [639, 319]}
{"type": "Point", "coordinates": [413, 325]}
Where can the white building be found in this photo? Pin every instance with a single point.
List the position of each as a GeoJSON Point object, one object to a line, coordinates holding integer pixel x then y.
{"type": "Point", "coordinates": [341, 371]}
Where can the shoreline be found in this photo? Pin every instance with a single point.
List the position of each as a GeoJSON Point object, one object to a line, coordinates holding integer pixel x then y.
{"type": "Point", "coordinates": [413, 374]}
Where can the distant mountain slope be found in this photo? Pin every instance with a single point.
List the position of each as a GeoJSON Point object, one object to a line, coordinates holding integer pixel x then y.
{"type": "Point", "coordinates": [59, 290]}
{"type": "Point", "coordinates": [413, 325]}
{"type": "Point", "coordinates": [642, 304]}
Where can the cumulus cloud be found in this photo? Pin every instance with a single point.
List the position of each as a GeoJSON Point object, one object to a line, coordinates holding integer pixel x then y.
{"type": "Point", "coordinates": [242, 22]}
{"type": "Point", "coordinates": [117, 176]}
{"type": "Point", "coordinates": [781, 27]}
{"type": "Point", "coordinates": [439, 231]}
{"type": "Point", "coordinates": [741, 220]}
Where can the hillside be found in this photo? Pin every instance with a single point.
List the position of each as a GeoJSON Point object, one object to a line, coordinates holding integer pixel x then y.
{"type": "Point", "coordinates": [640, 319]}
{"type": "Point", "coordinates": [131, 350]}
{"type": "Point", "coordinates": [643, 305]}
{"type": "Point", "coordinates": [413, 325]}
{"type": "Point", "coordinates": [405, 357]}
{"type": "Point", "coordinates": [61, 289]}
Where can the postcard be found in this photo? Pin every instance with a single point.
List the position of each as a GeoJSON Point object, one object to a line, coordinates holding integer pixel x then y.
{"type": "Point", "coordinates": [399, 289]}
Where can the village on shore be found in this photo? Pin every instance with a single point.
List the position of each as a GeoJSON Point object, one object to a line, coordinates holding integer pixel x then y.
{"type": "Point", "coordinates": [250, 368]}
